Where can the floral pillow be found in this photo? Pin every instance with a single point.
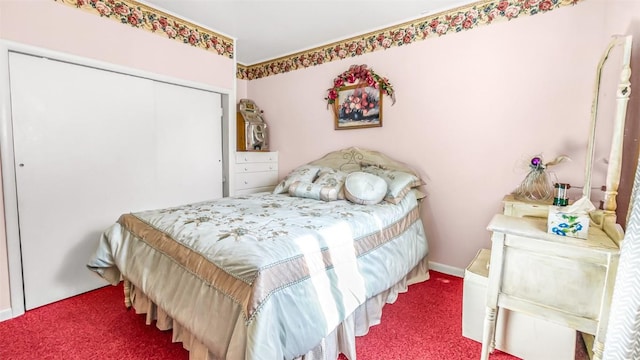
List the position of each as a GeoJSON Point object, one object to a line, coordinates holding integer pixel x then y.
{"type": "Point", "coordinates": [305, 189]}
{"type": "Point", "coordinates": [364, 188]}
{"type": "Point", "coordinates": [399, 183]}
{"type": "Point", "coordinates": [304, 173]}
{"type": "Point", "coordinates": [332, 178]}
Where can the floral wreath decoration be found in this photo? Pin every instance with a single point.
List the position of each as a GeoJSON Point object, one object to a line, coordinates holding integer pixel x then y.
{"type": "Point", "coordinates": [361, 75]}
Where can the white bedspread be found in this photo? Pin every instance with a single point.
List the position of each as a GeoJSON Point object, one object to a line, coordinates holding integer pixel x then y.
{"type": "Point", "coordinates": [263, 276]}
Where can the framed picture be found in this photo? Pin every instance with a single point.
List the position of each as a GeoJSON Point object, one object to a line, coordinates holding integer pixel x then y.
{"type": "Point", "coordinates": [358, 107]}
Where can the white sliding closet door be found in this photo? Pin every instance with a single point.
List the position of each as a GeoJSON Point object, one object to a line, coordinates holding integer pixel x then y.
{"type": "Point", "coordinates": [92, 144]}
{"type": "Point", "coordinates": [188, 148]}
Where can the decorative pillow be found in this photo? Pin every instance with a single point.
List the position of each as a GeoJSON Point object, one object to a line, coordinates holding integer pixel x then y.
{"type": "Point", "coordinates": [332, 178]}
{"type": "Point", "coordinates": [364, 188]}
{"type": "Point", "coordinates": [309, 190]}
{"type": "Point", "coordinates": [304, 173]}
{"type": "Point", "coordinates": [399, 183]}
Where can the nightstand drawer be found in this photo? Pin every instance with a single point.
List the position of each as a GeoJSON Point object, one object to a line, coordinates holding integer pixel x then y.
{"type": "Point", "coordinates": [256, 180]}
{"type": "Point", "coordinates": [254, 190]}
{"type": "Point", "coordinates": [256, 157]}
{"type": "Point", "coordinates": [521, 208]}
{"type": "Point", "coordinates": [255, 167]}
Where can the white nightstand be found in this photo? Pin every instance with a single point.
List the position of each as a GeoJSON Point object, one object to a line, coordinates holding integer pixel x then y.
{"type": "Point", "coordinates": [256, 171]}
{"type": "Point", "coordinates": [517, 333]}
{"type": "Point", "coordinates": [559, 279]}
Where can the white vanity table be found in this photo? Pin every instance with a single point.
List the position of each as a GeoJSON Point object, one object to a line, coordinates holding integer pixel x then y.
{"type": "Point", "coordinates": [564, 280]}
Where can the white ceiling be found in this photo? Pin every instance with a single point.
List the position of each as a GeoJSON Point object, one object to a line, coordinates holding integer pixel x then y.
{"type": "Point", "coordinates": [266, 30]}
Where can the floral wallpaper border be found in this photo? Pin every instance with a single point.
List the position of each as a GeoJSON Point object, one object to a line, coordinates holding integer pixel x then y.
{"type": "Point", "coordinates": [448, 22]}
{"type": "Point", "coordinates": [464, 18]}
{"type": "Point", "coordinates": [144, 17]}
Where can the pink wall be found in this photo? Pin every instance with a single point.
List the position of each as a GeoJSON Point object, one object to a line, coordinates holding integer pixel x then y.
{"type": "Point", "coordinates": [472, 109]}
{"type": "Point", "coordinates": [51, 25]}
{"type": "Point", "coordinates": [48, 24]}
{"type": "Point", "coordinates": [241, 89]}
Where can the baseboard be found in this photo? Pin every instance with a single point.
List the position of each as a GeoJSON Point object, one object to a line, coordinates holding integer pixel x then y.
{"type": "Point", "coordinates": [6, 314]}
{"type": "Point", "coordinates": [446, 269]}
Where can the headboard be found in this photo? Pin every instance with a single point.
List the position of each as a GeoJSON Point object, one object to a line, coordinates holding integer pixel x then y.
{"type": "Point", "coordinates": [353, 159]}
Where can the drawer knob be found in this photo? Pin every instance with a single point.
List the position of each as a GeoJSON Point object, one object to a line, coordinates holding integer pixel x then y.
{"type": "Point", "coordinates": [245, 169]}
{"type": "Point", "coordinates": [246, 182]}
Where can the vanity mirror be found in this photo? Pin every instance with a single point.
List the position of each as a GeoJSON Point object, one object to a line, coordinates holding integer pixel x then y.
{"type": "Point", "coordinates": [564, 280]}
{"type": "Point", "coordinates": [613, 76]}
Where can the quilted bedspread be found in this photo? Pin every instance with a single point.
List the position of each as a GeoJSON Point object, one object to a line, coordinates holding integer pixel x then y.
{"type": "Point", "coordinates": [263, 276]}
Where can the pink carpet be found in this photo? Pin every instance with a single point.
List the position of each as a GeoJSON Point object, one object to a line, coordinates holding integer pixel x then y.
{"type": "Point", "coordinates": [425, 323]}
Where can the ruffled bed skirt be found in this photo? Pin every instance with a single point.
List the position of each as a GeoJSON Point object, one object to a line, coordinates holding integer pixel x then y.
{"type": "Point", "coordinates": [341, 340]}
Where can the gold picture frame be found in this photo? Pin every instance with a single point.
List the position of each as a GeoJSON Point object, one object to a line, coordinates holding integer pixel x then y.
{"type": "Point", "coordinates": [357, 107]}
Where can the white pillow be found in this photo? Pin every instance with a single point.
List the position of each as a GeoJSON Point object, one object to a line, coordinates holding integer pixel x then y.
{"type": "Point", "coordinates": [328, 177]}
{"type": "Point", "coordinates": [364, 188]}
{"type": "Point", "coordinates": [399, 183]}
{"type": "Point", "coordinates": [304, 173]}
{"type": "Point", "coordinates": [309, 190]}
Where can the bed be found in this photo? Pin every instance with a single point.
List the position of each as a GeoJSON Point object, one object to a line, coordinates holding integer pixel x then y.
{"type": "Point", "coordinates": [293, 274]}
